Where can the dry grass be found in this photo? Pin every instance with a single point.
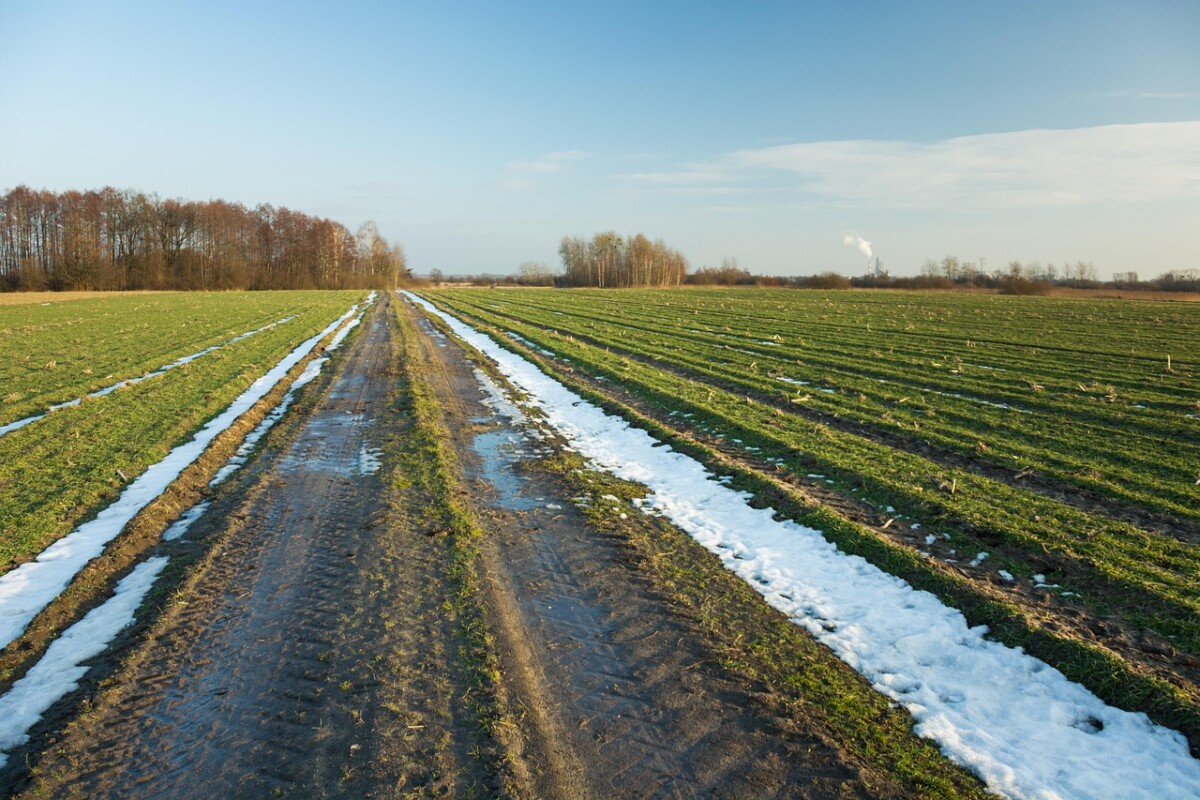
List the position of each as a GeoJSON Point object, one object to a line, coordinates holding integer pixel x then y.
{"type": "Point", "coordinates": [30, 298]}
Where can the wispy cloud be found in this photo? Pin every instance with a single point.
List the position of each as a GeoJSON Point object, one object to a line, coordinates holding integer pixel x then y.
{"type": "Point", "coordinates": [687, 176]}
{"type": "Point", "coordinates": [1024, 169]}
{"type": "Point", "coordinates": [520, 175]}
{"type": "Point", "coordinates": [551, 162]}
{"type": "Point", "coordinates": [375, 189]}
{"type": "Point", "coordinates": [1144, 95]}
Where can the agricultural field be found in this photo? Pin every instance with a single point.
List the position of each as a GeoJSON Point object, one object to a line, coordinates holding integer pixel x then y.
{"type": "Point", "coordinates": [1034, 463]}
{"type": "Point", "coordinates": [132, 399]}
{"type": "Point", "coordinates": [580, 543]}
{"type": "Point", "coordinates": [53, 353]}
{"type": "Point", "coordinates": [59, 470]}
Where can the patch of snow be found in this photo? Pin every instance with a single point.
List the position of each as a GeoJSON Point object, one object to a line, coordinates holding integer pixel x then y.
{"type": "Point", "coordinates": [930, 538]}
{"type": "Point", "coordinates": [27, 589]}
{"type": "Point", "coordinates": [516, 337]}
{"type": "Point", "coordinates": [340, 336]}
{"type": "Point", "coordinates": [58, 671]}
{"type": "Point", "coordinates": [370, 459]}
{"type": "Point", "coordinates": [1021, 726]}
{"type": "Point", "coordinates": [1003, 573]}
{"type": "Point", "coordinates": [496, 399]}
{"type": "Point", "coordinates": [979, 558]}
{"type": "Point", "coordinates": [180, 526]}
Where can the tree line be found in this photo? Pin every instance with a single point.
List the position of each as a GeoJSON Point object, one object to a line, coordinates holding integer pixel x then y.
{"type": "Point", "coordinates": [611, 260]}
{"type": "Point", "coordinates": [114, 239]}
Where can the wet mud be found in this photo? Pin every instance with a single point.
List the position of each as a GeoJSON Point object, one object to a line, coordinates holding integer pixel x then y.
{"type": "Point", "coordinates": [313, 656]}
{"type": "Point", "coordinates": [618, 695]}
{"type": "Point", "coordinates": [311, 660]}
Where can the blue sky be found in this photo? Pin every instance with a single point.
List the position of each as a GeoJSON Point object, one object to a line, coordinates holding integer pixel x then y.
{"type": "Point", "coordinates": [478, 134]}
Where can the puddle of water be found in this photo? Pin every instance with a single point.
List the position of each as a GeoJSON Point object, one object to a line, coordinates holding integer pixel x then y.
{"type": "Point", "coordinates": [316, 453]}
{"type": "Point", "coordinates": [498, 452]}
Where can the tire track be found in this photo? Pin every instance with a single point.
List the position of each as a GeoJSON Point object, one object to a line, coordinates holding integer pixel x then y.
{"type": "Point", "coordinates": [311, 660]}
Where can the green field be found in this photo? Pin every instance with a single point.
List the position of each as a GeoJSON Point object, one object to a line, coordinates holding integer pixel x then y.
{"type": "Point", "coordinates": [56, 352]}
{"type": "Point", "coordinates": [1052, 434]}
{"type": "Point", "coordinates": [62, 469]}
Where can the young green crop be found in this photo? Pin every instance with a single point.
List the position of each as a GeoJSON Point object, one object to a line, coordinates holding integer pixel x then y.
{"type": "Point", "coordinates": [1132, 437]}
{"type": "Point", "coordinates": [57, 352]}
{"type": "Point", "coordinates": [1142, 579]}
{"type": "Point", "coordinates": [1153, 575]}
{"type": "Point", "coordinates": [63, 469]}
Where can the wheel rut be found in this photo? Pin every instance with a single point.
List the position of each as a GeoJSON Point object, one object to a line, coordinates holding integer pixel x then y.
{"type": "Point", "coordinates": [615, 693]}
{"type": "Point", "coordinates": [312, 654]}
{"type": "Point", "coordinates": [311, 659]}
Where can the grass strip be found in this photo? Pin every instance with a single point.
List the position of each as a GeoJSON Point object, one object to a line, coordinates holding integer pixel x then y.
{"type": "Point", "coordinates": [428, 473]}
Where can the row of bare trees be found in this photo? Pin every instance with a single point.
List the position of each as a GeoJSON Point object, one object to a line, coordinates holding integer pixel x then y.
{"type": "Point", "coordinates": [609, 260]}
{"type": "Point", "coordinates": [123, 239]}
{"type": "Point", "coordinates": [1082, 273]}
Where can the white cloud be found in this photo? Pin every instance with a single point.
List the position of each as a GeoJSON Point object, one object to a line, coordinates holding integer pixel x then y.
{"type": "Point", "coordinates": [551, 162]}
{"type": "Point", "coordinates": [520, 175]}
{"type": "Point", "coordinates": [1024, 169]}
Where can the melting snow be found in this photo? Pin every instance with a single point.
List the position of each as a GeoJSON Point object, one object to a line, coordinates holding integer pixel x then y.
{"type": "Point", "coordinates": [180, 526]}
{"type": "Point", "coordinates": [496, 399]}
{"type": "Point", "coordinates": [27, 589]}
{"type": "Point", "coordinates": [59, 670]}
{"type": "Point", "coordinates": [1019, 724]}
{"type": "Point", "coordinates": [369, 459]}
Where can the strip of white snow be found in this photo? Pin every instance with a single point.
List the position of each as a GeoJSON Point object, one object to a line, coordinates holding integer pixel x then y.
{"type": "Point", "coordinates": [26, 590]}
{"type": "Point", "coordinates": [59, 670]}
{"type": "Point", "coordinates": [180, 526]}
{"type": "Point", "coordinates": [1024, 728]}
{"type": "Point", "coordinates": [107, 390]}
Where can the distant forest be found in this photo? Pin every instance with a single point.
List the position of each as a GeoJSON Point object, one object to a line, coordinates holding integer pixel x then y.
{"type": "Point", "coordinates": [610, 260]}
{"type": "Point", "coordinates": [115, 239]}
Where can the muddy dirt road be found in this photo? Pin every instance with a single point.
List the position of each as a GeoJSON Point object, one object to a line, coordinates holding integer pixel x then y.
{"type": "Point", "coordinates": [314, 655]}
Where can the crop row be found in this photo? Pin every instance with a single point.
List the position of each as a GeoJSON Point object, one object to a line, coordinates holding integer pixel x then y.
{"type": "Point", "coordinates": [1073, 635]}
{"type": "Point", "coordinates": [57, 352]}
{"type": "Point", "coordinates": [62, 470]}
{"type": "Point", "coordinates": [1062, 428]}
{"type": "Point", "coordinates": [1146, 579]}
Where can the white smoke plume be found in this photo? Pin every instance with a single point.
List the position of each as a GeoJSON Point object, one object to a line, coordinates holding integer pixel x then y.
{"type": "Point", "coordinates": [859, 242]}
